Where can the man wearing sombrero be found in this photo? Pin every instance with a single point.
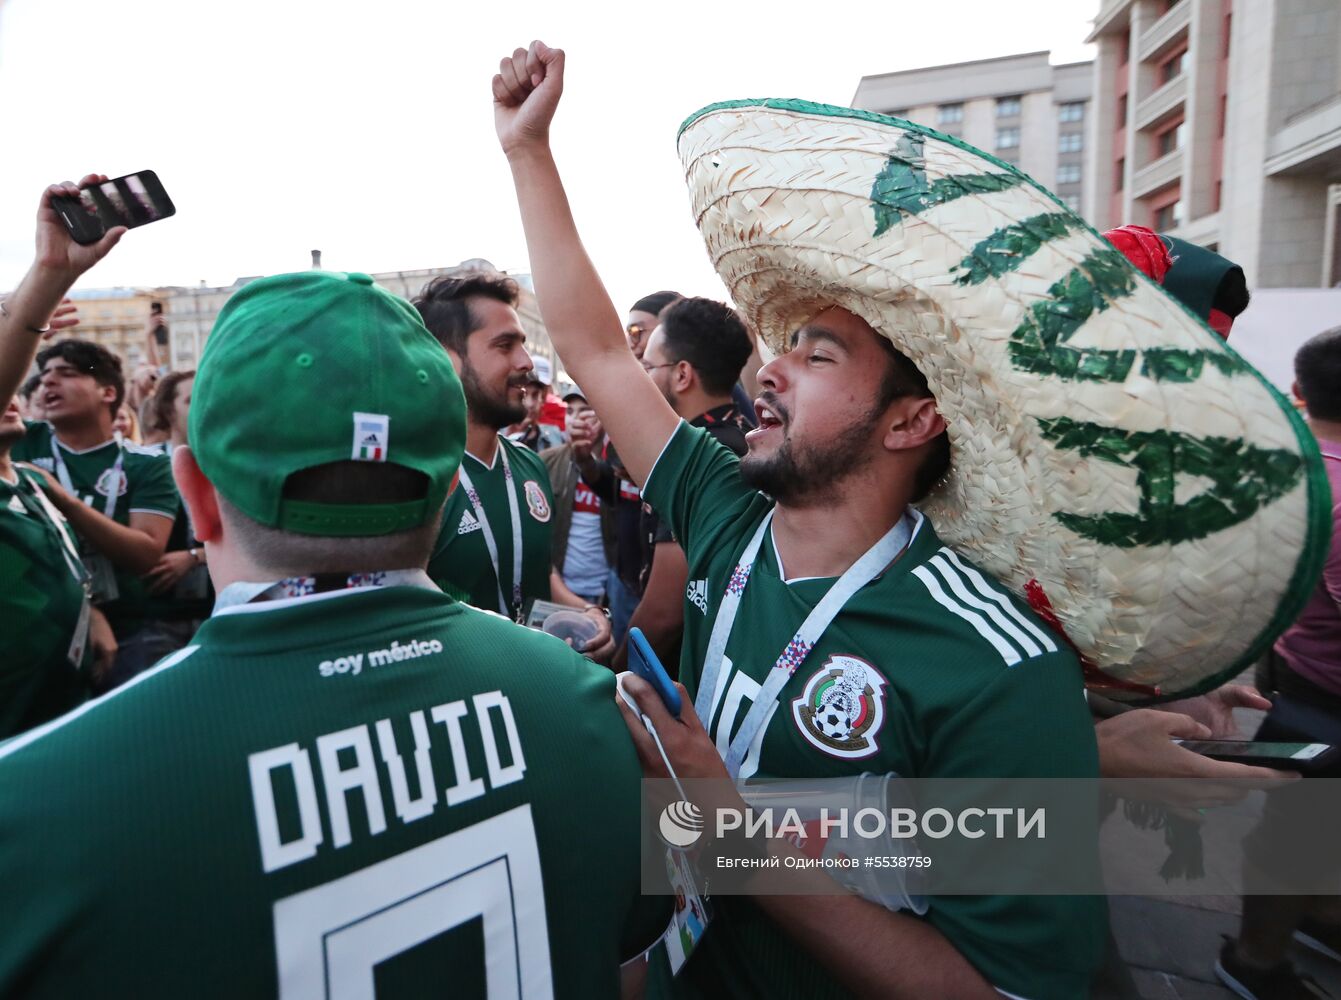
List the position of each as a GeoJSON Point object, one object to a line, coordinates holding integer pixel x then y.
{"type": "Point", "coordinates": [841, 635]}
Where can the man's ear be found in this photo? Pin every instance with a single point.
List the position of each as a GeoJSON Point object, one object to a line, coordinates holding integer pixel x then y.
{"type": "Point", "coordinates": [1294, 388]}
{"type": "Point", "coordinates": [198, 493]}
{"type": "Point", "coordinates": [684, 377]}
{"type": "Point", "coordinates": [913, 422]}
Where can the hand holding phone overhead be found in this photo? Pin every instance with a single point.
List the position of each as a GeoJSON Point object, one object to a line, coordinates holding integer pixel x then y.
{"type": "Point", "coordinates": [101, 205]}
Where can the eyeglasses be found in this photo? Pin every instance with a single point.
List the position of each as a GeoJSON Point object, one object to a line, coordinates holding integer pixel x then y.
{"type": "Point", "coordinates": [651, 368]}
{"type": "Point", "coordinates": [635, 330]}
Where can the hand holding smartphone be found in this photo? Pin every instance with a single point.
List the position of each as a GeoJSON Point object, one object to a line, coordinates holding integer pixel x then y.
{"type": "Point", "coordinates": [1302, 757]}
{"type": "Point", "coordinates": [133, 200]}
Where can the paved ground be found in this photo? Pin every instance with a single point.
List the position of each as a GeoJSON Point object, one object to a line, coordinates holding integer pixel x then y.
{"type": "Point", "coordinates": [1171, 946]}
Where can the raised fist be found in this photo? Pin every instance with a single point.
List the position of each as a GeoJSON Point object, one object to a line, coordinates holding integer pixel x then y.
{"type": "Point", "coordinates": [527, 88]}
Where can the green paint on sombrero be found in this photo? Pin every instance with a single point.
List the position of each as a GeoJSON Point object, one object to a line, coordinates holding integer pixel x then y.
{"type": "Point", "coordinates": [901, 188]}
{"type": "Point", "coordinates": [1010, 246]}
{"type": "Point", "coordinates": [1319, 520]}
{"type": "Point", "coordinates": [1244, 478]}
{"type": "Point", "coordinates": [1040, 343]}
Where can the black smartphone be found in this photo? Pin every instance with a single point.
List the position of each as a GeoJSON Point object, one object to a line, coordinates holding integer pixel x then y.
{"type": "Point", "coordinates": [133, 200]}
{"type": "Point", "coordinates": [1304, 757]}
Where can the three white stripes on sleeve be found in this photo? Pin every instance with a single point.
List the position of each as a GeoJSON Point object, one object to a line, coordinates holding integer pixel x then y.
{"type": "Point", "coordinates": [963, 591]}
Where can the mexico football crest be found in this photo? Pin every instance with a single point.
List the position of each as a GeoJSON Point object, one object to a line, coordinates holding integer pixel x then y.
{"type": "Point", "coordinates": [110, 479]}
{"type": "Point", "coordinates": [536, 501]}
{"type": "Point", "coordinates": [842, 708]}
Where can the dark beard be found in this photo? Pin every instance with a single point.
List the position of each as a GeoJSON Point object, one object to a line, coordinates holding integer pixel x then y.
{"type": "Point", "coordinates": [804, 477]}
{"type": "Point", "coordinates": [486, 408]}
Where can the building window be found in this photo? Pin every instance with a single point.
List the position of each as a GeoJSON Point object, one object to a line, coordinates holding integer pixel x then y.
{"type": "Point", "coordinates": [1169, 216]}
{"type": "Point", "coordinates": [1008, 107]}
{"type": "Point", "coordinates": [1121, 112]}
{"type": "Point", "coordinates": [900, 113]}
{"type": "Point", "coordinates": [1119, 174]}
{"type": "Point", "coordinates": [1070, 142]}
{"type": "Point", "coordinates": [1072, 111]}
{"type": "Point", "coordinates": [1068, 173]}
{"type": "Point", "coordinates": [1072, 201]}
{"type": "Point", "coordinates": [1173, 67]}
{"type": "Point", "coordinates": [1007, 138]}
{"type": "Point", "coordinates": [1170, 139]}
{"type": "Point", "coordinates": [949, 114]}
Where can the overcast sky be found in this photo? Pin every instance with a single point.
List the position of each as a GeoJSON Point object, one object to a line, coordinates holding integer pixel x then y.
{"type": "Point", "coordinates": [366, 129]}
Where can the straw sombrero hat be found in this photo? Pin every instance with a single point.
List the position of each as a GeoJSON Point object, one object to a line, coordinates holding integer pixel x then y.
{"type": "Point", "coordinates": [1114, 461]}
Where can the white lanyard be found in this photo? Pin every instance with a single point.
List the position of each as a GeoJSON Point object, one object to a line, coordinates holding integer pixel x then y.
{"type": "Point", "coordinates": [858, 575]}
{"type": "Point", "coordinates": [56, 522]}
{"type": "Point", "coordinates": [513, 609]}
{"type": "Point", "coordinates": [113, 485]}
{"type": "Point", "coordinates": [303, 586]}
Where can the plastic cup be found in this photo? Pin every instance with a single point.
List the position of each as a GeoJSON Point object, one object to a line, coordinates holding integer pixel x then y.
{"type": "Point", "coordinates": [893, 888]}
{"type": "Point", "coordinates": [573, 625]}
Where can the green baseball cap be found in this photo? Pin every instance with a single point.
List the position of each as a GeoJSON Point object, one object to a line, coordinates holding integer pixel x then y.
{"type": "Point", "coordinates": [306, 369]}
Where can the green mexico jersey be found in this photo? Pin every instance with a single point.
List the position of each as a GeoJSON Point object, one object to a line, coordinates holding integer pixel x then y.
{"type": "Point", "coordinates": [145, 486]}
{"type": "Point", "coordinates": [41, 600]}
{"type": "Point", "coordinates": [950, 677]}
{"type": "Point", "coordinates": [461, 564]}
{"type": "Point", "coordinates": [333, 795]}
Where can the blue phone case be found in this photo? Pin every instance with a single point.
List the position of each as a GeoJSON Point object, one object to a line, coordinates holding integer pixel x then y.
{"type": "Point", "coordinates": [644, 663]}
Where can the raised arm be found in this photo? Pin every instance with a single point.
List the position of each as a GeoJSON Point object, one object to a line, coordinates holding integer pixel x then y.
{"type": "Point", "coordinates": [577, 311]}
{"type": "Point", "coordinates": [30, 307]}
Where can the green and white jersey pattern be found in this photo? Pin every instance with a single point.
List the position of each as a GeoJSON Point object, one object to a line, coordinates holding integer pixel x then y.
{"type": "Point", "coordinates": [461, 563]}
{"type": "Point", "coordinates": [41, 597]}
{"type": "Point", "coordinates": [144, 486]}
{"type": "Point", "coordinates": [950, 677]}
{"type": "Point", "coordinates": [333, 795]}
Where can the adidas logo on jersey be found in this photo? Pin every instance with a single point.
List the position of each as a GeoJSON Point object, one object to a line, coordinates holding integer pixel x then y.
{"type": "Point", "coordinates": [468, 524]}
{"type": "Point", "coordinates": [697, 594]}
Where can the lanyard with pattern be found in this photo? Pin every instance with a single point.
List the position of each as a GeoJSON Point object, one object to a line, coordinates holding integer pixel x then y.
{"type": "Point", "coordinates": [113, 484]}
{"type": "Point", "coordinates": [858, 575]}
{"type": "Point", "coordinates": [321, 583]}
{"type": "Point", "coordinates": [513, 609]}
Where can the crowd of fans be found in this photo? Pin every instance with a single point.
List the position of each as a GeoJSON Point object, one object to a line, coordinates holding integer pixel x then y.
{"type": "Point", "coordinates": [107, 572]}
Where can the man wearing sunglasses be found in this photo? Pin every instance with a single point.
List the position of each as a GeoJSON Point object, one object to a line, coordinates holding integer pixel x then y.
{"type": "Point", "coordinates": [643, 319]}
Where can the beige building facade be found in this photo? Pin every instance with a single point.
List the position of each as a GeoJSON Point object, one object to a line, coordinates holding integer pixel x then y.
{"type": "Point", "coordinates": [1220, 121]}
{"type": "Point", "coordinates": [117, 318]}
{"type": "Point", "coordinates": [1020, 108]}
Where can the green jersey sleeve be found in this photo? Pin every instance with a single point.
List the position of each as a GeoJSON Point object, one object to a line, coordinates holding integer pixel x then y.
{"type": "Point", "coordinates": [695, 487]}
{"type": "Point", "coordinates": [151, 490]}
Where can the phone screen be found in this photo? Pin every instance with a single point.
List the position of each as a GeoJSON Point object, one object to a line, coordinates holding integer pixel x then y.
{"type": "Point", "coordinates": [133, 200]}
{"type": "Point", "coordinates": [1241, 748]}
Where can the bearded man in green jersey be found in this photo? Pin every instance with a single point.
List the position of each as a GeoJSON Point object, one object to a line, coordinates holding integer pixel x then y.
{"type": "Point", "coordinates": [494, 547]}
{"type": "Point", "coordinates": [348, 781]}
{"type": "Point", "coordinates": [849, 437]}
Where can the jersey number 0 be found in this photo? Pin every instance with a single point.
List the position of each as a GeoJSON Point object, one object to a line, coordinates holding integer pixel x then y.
{"type": "Point", "coordinates": [330, 939]}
